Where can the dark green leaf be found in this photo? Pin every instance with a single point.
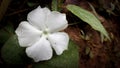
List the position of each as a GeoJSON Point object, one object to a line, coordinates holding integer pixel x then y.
{"type": "Point", "coordinates": [12, 53]}
{"type": "Point", "coordinates": [5, 33]}
{"type": "Point", "coordinates": [69, 59]}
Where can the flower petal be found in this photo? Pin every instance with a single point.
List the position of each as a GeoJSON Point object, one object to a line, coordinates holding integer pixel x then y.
{"type": "Point", "coordinates": [27, 34]}
{"type": "Point", "coordinates": [56, 21]}
{"type": "Point", "coordinates": [37, 17]}
{"type": "Point", "coordinates": [40, 51]}
{"type": "Point", "coordinates": [59, 42]}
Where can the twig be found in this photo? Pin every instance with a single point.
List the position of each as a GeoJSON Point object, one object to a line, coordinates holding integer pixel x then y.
{"type": "Point", "coordinates": [16, 12]}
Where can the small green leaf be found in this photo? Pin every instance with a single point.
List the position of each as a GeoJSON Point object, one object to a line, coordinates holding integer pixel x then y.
{"type": "Point", "coordinates": [87, 50]}
{"type": "Point", "coordinates": [91, 54]}
{"type": "Point", "coordinates": [69, 59]}
{"type": "Point", "coordinates": [31, 4]}
{"type": "Point", "coordinates": [54, 5]}
{"type": "Point", "coordinates": [89, 18]}
{"type": "Point", "coordinates": [12, 53]}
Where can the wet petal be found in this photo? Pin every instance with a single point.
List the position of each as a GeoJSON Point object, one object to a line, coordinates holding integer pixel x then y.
{"type": "Point", "coordinates": [40, 51]}
{"type": "Point", "coordinates": [27, 34]}
{"type": "Point", "coordinates": [38, 16]}
{"type": "Point", "coordinates": [59, 42]}
{"type": "Point", "coordinates": [56, 21]}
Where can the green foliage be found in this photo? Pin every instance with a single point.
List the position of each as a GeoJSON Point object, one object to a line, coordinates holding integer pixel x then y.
{"type": "Point", "coordinates": [69, 59]}
{"type": "Point", "coordinates": [54, 5]}
{"type": "Point", "coordinates": [5, 33]}
{"type": "Point", "coordinates": [87, 50]}
{"type": "Point", "coordinates": [89, 18]}
{"type": "Point", "coordinates": [31, 4]}
{"type": "Point", "coordinates": [12, 53]}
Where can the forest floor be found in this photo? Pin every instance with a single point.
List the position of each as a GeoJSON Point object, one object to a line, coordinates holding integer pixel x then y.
{"type": "Point", "coordinates": [93, 52]}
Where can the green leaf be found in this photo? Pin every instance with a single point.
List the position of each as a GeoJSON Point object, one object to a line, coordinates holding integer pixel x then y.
{"type": "Point", "coordinates": [31, 4]}
{"type": "Point", "coordinates": [69, 59]}
{"type": "Point", "coordinates": [5, 33]}
{"type": "Point", "coordinates": [91, 54]}
{"type": "Point", "coordinates": [89, 18]}
{"type": "Point", "coordinates": [12, 53]}
{"type": "Point", "coordinates": [54, 5]}
{"type": "Point", "coordinates": [87, 50]}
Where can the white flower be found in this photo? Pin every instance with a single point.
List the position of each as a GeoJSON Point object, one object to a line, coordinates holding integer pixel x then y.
{"type": "Point", "coordinates": [40, 34]}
